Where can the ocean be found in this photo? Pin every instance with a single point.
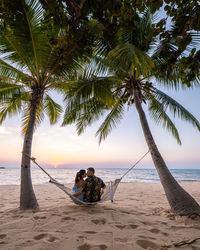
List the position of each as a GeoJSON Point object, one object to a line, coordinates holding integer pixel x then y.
{"type": "Point", "coordinates": [11, 176]}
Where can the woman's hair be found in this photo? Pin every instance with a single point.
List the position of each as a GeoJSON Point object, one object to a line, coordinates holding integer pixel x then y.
{"type": "Point", "coordinates": [79, 175]}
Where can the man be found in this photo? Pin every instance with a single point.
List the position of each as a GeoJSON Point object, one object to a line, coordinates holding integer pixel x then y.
{"type": "Point", "coordinates": [93, 187]}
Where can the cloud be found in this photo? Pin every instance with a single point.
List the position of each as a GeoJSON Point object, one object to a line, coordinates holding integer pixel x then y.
{"type": "Point", "coordinates": [4, 131]}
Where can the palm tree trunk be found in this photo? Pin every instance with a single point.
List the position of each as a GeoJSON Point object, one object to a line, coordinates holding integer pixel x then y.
{"type": "Point", "coordinates": [180, 201]}
{"type": "Point", "coordinates": [27, 196]}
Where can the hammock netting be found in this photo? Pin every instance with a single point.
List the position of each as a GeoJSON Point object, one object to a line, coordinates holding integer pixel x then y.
{"type": "Point", "coordinates": [108, 194]}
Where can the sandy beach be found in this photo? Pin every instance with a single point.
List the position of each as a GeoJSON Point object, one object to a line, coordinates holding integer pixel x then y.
{"type": "Point", "coordinates": [139, 218]}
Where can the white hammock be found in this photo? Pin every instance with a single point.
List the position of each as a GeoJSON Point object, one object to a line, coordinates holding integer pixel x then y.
{"type": "Point", "coordinates": [108, 194]}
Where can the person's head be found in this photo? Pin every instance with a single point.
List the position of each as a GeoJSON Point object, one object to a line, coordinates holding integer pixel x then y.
{"type": "Point", "coordinates": [80, 175]}
{"type": "Point", "coordinates": [90, 172]}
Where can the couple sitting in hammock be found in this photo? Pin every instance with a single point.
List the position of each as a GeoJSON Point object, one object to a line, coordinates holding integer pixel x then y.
{"type": "Point", "coordinates": [90, 189]}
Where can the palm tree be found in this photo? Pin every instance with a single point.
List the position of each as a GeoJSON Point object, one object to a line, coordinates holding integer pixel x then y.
{"type": "Point", "coordinates": [35, 58]}
{"type": "Point", "coordinates": [131, 66]}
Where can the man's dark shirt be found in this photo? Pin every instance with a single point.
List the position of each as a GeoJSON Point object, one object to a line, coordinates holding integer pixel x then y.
{"type": "Point", "coordinates": [92, 189]}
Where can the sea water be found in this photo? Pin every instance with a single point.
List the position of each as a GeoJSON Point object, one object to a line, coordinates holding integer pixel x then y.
{"type": "Point", "coordinates": [11, 176]}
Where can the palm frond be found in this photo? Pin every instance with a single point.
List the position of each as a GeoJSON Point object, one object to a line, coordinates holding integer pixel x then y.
{"type": "Point", "coordinates": [95, 111]}
{"type": "Point", "coordinates": [111, 121]}
{"type": "Point", "coordinates": [52, 109]}
{"type": "Point", "coordinates": [26, 116]}
{"type": "Point", "coordinates": [38, 36]}
{"type": "Point", "coordinates": [16, 50]}
{"type": "Point", "coordinates": [158, 114]}
{"type": "Point", "coordinates": [131, 59]}
{"type": "Point", "coordinates": [57, 71]}
{"type": "Point", "coordinates": [102, 48]}
{"type": "Point", "coordinates": [87, 99]}
{"type": "Point", "coordinates": [72, 112]}
{"type": "Point", "coordinates": [169, 78]}
{"type": "Point", "coordinates": [177, 109]}
{"type": "Point", "coordinates": [195, 41]}
{"type": "Point", "coordinates": [7, 70]}
{"type": "Point", "coordinates": [25, 42]}
{"type": "Point", "coordinates": [164, 50]}
{"type": "Point", "coordinates": [83, 114]}
{"type": "Point", "coordinates": [98, 87]}
{"type": "Point", "coordinates": [25, 119]}
{"type": "Point", "coordinates": [32, 18]}
{"type": "Point", "coordinates": [11, 105]}
{"type": "Point", "coordinates": [100, 66]}
{"type": "Point", "coordinates": [9, 91]}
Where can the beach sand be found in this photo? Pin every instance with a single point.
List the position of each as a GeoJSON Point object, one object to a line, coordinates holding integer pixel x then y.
{"type": "Point", "coordinates": [139, 218]}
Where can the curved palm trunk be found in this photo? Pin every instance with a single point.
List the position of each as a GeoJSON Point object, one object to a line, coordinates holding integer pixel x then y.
{"type": "Point", "coordinates": [27, 196]}
{"type": "Point", "coordinates": [180, 201]}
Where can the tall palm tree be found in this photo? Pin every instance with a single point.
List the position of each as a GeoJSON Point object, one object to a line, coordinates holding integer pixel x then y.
{"type": "Point", "coordinates": [131, 66]}
{"type": "Point", "coordinates": [33, 63]}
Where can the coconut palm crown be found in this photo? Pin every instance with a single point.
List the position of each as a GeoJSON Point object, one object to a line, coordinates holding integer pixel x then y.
{"type": "Point", "coordinates": [133, 68]}
{"type": "Point", "coordinates": [36, 57]}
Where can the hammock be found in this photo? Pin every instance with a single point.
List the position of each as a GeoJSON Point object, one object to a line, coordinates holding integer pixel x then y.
{"type": "Point", "coordinates": [108, 194]}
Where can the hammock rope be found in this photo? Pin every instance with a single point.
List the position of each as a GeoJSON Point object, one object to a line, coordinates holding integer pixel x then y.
{"type": "Point", "coordinates": [107, 195]}
{"type": "Point", "coordinates": [134, 165]}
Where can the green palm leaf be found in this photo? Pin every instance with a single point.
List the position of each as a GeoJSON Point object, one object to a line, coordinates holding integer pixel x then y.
{"type": "Point", "coordinates": [127, 57]}
{"type": "Point", "coordinates": [7, 91]}
{"type": "Point", "coordinates": [29, 46]}
{"type": "Point", "coordinates": [98, 87]}
{"type": "Point", "coordinates": [52, 109]}
{"type": "Point", "coordinates": [26, 117]}
{"type": "Point", "coordinates": [176, 108]}
{"type": "Point", "coordinates": [157, 112]}
{"type": "Point", "coordinates": [38, 36]}
{"type": "Point", "coordinates": [100, 66]}
{"type": "Point", "coordinates": [16, 49]}
{"type": "Point", "coordinates": [7, 70]}
{"type": "Point", "coordinates": [111, 120]}
{"type": "Point", "coordinates": [84, 113]}
{"type": "Point", "coordinates": [10, 105]}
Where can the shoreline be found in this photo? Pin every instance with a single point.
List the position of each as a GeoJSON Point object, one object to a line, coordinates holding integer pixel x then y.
{"type": "Point", "coordinates": [70, 184]}
{"type": "Point", "coordinates": [139, 218]}
{"type": "Point", "coordinates": [66, 176]}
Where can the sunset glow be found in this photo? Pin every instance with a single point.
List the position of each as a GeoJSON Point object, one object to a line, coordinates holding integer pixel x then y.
{"type": "Point", "coordinates": [57, 146]}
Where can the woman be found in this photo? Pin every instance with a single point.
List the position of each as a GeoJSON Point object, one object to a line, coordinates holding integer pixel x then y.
{"type": "Point", "coordinates": [78, 184]}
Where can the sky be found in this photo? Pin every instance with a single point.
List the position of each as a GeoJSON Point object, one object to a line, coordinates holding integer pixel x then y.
{"type": "Point", "coordinates": [57, 146]}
